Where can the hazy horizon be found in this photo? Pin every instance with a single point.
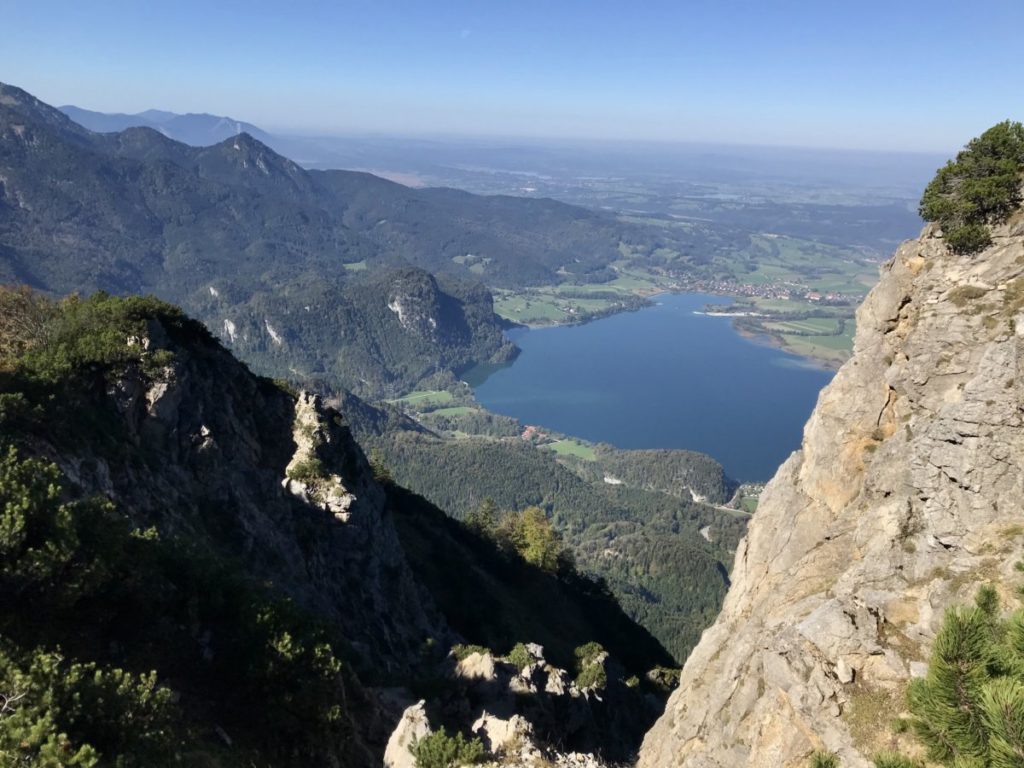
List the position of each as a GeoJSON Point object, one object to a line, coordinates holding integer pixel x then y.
{"type": "Point", "coordinates": [438, 137]}
{"type": "Point", "coordinates": [876, 77]}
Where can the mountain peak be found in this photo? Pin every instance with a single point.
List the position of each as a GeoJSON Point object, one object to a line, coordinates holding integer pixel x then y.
{"type": "Point", "coordinates": [19, 107]}
{"type": "Point", "coordinates": [198, 129]}
{"type": "Point", "coordinates": [247, 141]}
{"type": "Point", "coordinates": [244, 152]}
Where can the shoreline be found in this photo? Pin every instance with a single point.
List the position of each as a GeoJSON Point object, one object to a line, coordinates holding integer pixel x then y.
{"type": "Point", "coordinates": [774, 341]}
{"type": "Point", "coordinates": [767, 338]}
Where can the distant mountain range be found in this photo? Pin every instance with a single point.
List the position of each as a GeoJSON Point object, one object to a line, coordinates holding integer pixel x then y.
{"type": "Point", "coordinates": [199, 130]}
{"type": "Point", "coordinates": [248, 240]}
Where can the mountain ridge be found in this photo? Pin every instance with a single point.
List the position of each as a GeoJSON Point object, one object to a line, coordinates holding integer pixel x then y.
{"type": "Point", "coordinates": [222, 547]}
{"type": "Point", "coordinates": [138, 212]}
{"type": "Point", "coordinates": [195, 128]}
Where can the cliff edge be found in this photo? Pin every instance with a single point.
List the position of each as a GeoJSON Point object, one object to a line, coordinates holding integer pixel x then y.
{"type": "Point", "coordinates": [905, 495]}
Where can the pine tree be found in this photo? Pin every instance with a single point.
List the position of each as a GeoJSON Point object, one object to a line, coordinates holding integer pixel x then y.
{"type": "Point", "coordinates": [968, 711]}
{"type": "Point", "coordinates": [947, 703]}
{"type": "Point", "coordinates": [484, 519]}
{"type": "Point", "coordinates": [982, 186]}
{"type": "Point", "coordinates": [1003, 716]}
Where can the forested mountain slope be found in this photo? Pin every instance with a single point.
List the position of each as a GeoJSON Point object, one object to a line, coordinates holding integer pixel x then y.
{"type": "Point", "coordinates": [199, 567]}
{"type": "Point", "coordinates": [642, 535]}
{"type": "Point", "coordinates": [196, 129]}
{"type": "Point", "coordinates": [238, 202]}
{"type": "Point", "coordinates": [273, 257]}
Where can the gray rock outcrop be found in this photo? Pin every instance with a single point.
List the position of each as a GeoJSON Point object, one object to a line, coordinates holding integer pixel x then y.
{"type": "Point", "coordinates": [905, 496]}
{"type": "Point", "coordinates": [412, 727]}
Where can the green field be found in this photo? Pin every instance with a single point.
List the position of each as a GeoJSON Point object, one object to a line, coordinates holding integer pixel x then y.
{"type": "Point", "coordinates": [570, 447]}
{"type": "Point", "coordinates": [455, 410]}
{"type": "Point", "coordinates": [819, 326]}
{"type": "Point", "coordinates": [632, 281]}
{"type": "Point", "coordinates": [549, 304]}
{"type": "Point", "coordinates": [530, 308]}
{"type": "Point", "coordinates": [820, 267]}
{"type": "Point", "coordinates": [426, 398]}
{"type": "Point", "coordinates": [822, 347]}
{"type": "Point", "coordinates": [832, 349]}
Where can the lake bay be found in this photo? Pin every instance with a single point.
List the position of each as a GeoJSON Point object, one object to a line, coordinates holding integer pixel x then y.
{"type": "Point", "coordinates": [662, 377]}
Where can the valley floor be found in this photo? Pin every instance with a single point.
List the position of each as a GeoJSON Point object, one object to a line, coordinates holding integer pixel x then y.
{"type": "Point", "coordinates": [790, 301]}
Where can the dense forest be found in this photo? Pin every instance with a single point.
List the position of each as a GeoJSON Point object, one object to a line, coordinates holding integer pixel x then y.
{"type": "Point", "coordinates": [645, 542]}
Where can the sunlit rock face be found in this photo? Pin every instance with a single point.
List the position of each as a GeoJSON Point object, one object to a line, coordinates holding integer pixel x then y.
{"type": "Point", "coordinates": [905, 495]}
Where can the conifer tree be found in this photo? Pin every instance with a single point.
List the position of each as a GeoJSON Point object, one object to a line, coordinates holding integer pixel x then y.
{"type": "Point", "coordinates": [968, 711]}
{"type": "Point", "coordinates": [484, 519]}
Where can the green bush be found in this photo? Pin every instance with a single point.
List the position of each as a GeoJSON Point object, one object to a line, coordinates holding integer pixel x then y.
{"type": "Point", "coordinates": [530, 534]}
{"type": "Point", "coordinates": [25, 317]}
{"type": "Point", "coordinates": [484, 519]}
{"type": "Point", "coordinates": [102, 330]}
{"type": "Point", "coordinates": [307, 470]}
{"type": "Point", "coordinates": [590, 671]}
{"type": "Point", "coordinates": [379, 467]}
{"type": "Point", "coordinates": [665, 678]}
{"type": "Point", "coordinates": [823, 759]}
{"type": "Point", "coordinates": [462, 652]}
{"type": "Point", "coordinates": [64, 713]}
{"type": "Point", "coordinates": [287, 387]}
{"type": "Point", "coordinates": [439, 750]}
{"type": "Point", "coordinates": [519, 657]}
{"type": "Point", "coordinates": [981, 187]}
{"type": "Point", "coordinates": [968, 711]}
{"type": "Point", "coordinates": [895, 760]}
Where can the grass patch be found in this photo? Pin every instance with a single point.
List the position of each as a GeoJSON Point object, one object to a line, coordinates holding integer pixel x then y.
{"type": "Point", "coordinates": [965, 293]}
{"type": "Point", "coordinates": [529, 309]}
{"type": "Point", "coordinates": [425, 398]}
{"type": "Point", "coordinates": [455, 410]}
{"type": "Point", "coordinates": [870, 711]}
{"type": "Point", "coordinates": [817, 326]}
{"type": "Point", "coordinates": [828, 348]}
{"type": "Point", "coordinates": [575, 448]}
{"type": "Point", "coordinates": [307, 471]}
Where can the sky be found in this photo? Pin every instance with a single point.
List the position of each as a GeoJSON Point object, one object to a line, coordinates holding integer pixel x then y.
{"type": "Point", "coordinates": [897, 75]}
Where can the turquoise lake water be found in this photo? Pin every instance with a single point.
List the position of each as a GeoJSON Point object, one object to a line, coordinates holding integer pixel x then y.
{"type": "Point", "coordinates": [662, 377]}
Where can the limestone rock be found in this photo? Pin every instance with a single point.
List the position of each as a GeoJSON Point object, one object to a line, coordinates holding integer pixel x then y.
{"type": "Point", "coordinates": [904, 496]}
{"type": "Point", "coordinates": [412, 726]}
{"type": "Point", "coordinates": [476, 666]}
{"type": "Point", "coordinates": [499, 734]}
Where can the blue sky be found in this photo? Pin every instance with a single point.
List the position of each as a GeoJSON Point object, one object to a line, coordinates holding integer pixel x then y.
{"type": "Point", "coordinates": [901, 75]}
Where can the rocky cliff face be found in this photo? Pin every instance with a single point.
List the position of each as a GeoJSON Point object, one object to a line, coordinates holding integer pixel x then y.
{"type": "Point", "coordinates": [905, 495]}
{"type": "Point", "coordinates": [207, 451]}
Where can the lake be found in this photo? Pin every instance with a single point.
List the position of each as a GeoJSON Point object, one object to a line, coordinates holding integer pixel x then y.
{"type": "Point", "coordinates": [662, 377]}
